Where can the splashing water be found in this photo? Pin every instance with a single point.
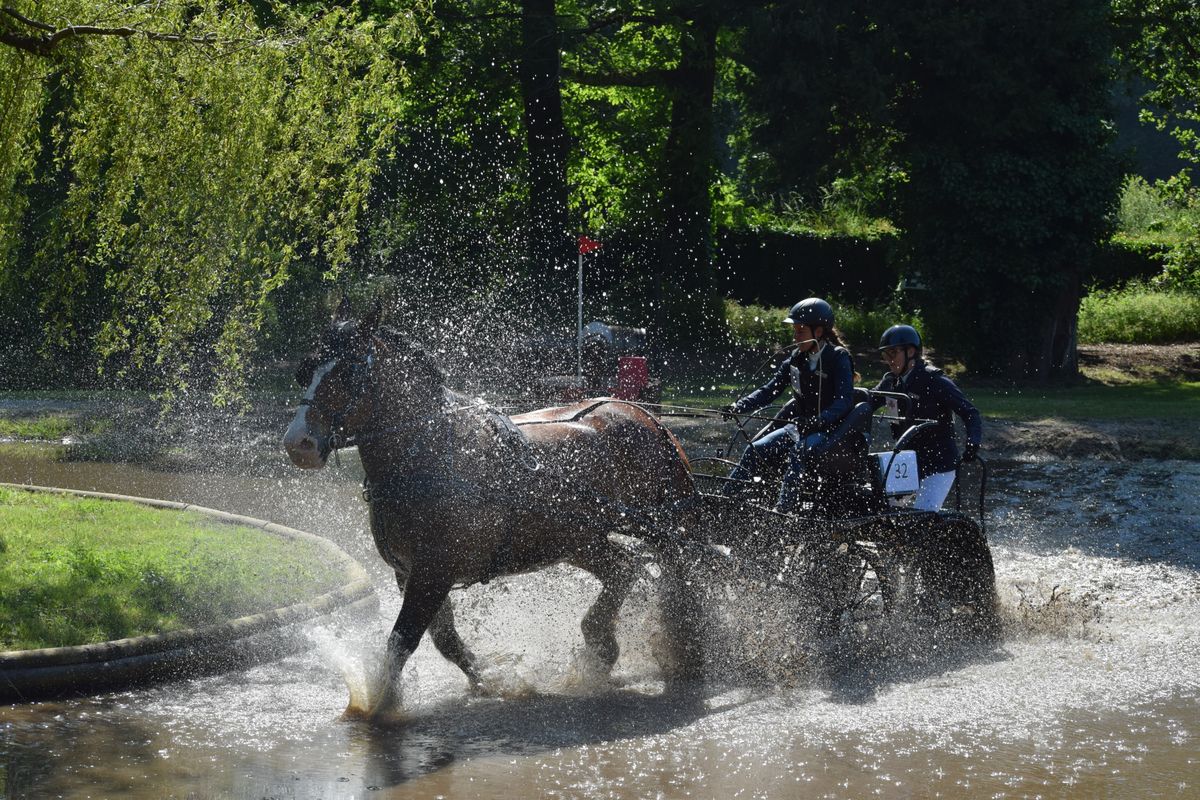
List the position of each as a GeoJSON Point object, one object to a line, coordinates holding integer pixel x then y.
{"type": "Point", "coordinates": [1095, 687]}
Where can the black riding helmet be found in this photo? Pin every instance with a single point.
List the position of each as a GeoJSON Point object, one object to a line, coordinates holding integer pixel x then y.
{"type": "Point", "coordinates": [811, 312]}
{"type": "Point", "coordinates": [900, 336]}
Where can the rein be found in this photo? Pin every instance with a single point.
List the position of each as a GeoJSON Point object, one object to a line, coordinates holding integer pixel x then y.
{"type": "Point", "coordinates": [508, 433]}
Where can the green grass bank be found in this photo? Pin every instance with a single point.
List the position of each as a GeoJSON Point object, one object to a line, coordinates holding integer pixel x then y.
{"type": "Point", "coordinates": [78, 570]}
{"type": "Point", "coordinates": [1134, 400]}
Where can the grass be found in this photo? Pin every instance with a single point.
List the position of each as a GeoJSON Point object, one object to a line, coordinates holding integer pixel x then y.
{"type": "Point", "coordinates": [1128, 400]}
{"type": "Point", "coordinates": [31, 451]}
{"type": "Point", "coordinates": [83, 570]}
{"type": "Point", "coordinates": [1139, 314]}
{"type": "Point", "coordinates": [50, 426]}
{"type": "Point", "coordinates": [712, 396]}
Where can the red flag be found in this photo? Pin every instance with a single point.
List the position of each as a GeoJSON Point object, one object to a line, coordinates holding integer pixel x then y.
{"type": "Point", "coordinates": [587, 245]}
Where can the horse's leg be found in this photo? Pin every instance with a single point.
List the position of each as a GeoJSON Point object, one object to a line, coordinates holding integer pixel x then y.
{"type": "Point", "coordinates": [450, 644]}
{"type": "Point", "coordinates": [616, 572]}
{"type": "Point", "coordinates": [684, 618]}
{"type": "Point", "coordinates": [446, 639]}
{"type": "Point", "coordinates": [424, 593]}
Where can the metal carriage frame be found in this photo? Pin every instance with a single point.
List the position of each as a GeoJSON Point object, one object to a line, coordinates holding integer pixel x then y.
{"type": "Point", "coordinates": [848, 555]}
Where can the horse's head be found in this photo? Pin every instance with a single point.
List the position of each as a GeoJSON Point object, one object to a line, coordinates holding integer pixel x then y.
{"type": "Point", "coordinates": [359, 379]}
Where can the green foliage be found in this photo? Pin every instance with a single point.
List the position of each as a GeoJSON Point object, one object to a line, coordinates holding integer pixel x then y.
{"type": "Point", "coordinates": [757, 326]}
{"type": "Point", "coordinates": [764, 328]}
{"type": "Point", "coordinates": [841, 210]}
{"type": "Point", "coordinates": [1139, 314]}
{"type": "Point", "coordinates": [1181, 264]}
{"type": "Point", "coordinates": [817, 97]}
{"type": "Point", "coordinates": [983, 127]}
{"type": "Point", "coordinates": [862, 327]}
{"type": "Point", "coordinates": [165, 206]}
{"type": "Point", "coordinates": [80, 570]}
{"type": "Point", "coordinates": [1181, 269]}
{"type": "Point", "coordinates": [1153, 212]}
{"type": "Point", "coordinates": [1157, 42]}
{"type": "Point", "coordinates": [445, 210]}
{"type": "Point", "coordinates": [1123, 259]}
{"type": "Point", "coordinates": [620, 128]}
{"type": "Point", "coordinates": [1011, 179]}
{"type": "Point", "coordinates": [1163, 220]}
{"type": "Point", "coordinates": [198, 176]}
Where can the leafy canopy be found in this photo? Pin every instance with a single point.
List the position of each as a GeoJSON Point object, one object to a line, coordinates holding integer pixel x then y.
{"type": "Point", "coordinates": [189, 177]}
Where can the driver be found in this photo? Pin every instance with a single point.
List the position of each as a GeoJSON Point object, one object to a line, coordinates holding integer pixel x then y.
{"type": "Point", "coordinates": [820, 374]}
{"type": "Point", "coordinates": [933, 396]}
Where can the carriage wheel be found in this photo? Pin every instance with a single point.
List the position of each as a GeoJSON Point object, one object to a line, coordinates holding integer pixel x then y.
{"type": "Point", "coordinates": [955, 581]}
{"type": "Point", "coordinates": [844, 584]}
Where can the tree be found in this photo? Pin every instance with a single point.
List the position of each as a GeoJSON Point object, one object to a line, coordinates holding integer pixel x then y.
{"type": "Point", "coordinates": [1159, 42]}
{"type": "Point", "coordinates": [819, 92]}
{"type": "Point", "coordinates": [648, 75]}
{"type": "Point", "coordinates": [1012, 179]}
{"type": "Point", "coordinates": [546, 153]}
{"type": "Point", "coordinates": [991, 123]}
{"type": "Point", "coordinates": [690, 306]}
{"type": "Point", "coordinates": [196, 170]}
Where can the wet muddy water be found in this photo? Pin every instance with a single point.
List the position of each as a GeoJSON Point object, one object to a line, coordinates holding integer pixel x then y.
{"type": "Point", "coordinates": [1094, 691]}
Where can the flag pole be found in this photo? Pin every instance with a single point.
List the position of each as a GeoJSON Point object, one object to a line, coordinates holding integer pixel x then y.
{"type": "Point", "coordinates": [579, 325]}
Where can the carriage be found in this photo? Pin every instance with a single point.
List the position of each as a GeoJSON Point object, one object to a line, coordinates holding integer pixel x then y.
{"type": "Point", "coordinates": [459, 493]}
{"type": "Point", "coordinates": [853, 552]}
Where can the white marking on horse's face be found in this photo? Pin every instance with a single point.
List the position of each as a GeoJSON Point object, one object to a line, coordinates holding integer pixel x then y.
{"type": "Point", "coordinates": [303, 444]}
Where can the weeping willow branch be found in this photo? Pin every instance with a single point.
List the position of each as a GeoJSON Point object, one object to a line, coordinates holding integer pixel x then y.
{"type": "Point", "coordinates": [44, 44]}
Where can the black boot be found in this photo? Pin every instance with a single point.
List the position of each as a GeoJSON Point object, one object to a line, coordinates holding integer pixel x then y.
{"type": "Point", "coordinates": [790, 495]}
{"type": "Point", "coordinates": [744, 471]}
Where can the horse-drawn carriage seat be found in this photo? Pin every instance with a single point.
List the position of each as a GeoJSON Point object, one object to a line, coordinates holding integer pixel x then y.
{"type": "Point", "coordinates": [843, 450]}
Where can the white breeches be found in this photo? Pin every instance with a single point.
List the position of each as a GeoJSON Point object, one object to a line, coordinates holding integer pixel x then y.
{"type": "Point", "coordinates": [933, 491]}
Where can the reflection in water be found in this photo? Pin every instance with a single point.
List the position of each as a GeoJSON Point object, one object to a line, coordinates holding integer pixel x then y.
{"type": "Point", "coordinates": [1094, 691]}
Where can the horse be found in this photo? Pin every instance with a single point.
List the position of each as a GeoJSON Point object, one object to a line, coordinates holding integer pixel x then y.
{"type": "Point", "coordinates": [459, 493]}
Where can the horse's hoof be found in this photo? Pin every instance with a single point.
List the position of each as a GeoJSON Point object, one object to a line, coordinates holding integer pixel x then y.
{"type": "Point", "coordinates": [381, 706]}
{"type": "Point", "coordinates": [375, 715]}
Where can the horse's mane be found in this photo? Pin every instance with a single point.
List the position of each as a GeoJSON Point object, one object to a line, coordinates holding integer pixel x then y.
{"type": "Point", "coordinates": [416, 356]}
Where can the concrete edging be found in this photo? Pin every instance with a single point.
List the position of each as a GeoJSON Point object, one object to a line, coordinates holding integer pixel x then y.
{"type": "Point", "coordinates": [27, 675]}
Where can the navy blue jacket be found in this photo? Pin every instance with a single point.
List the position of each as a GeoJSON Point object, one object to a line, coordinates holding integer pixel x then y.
{"type": "Point", "coordinates": [824, 394]}
{"type": "Point", "coordinates": [934, 396]}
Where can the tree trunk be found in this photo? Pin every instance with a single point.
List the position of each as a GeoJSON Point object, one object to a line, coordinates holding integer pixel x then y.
{"type": "Point", "coordinates": [1062, 362]}
{"type": "Point", "coordinates": [691, 308]}
{"type": "Point", "coordinates": [1049, 355]}
{"type": "Point", "coordinates": [549, 239]}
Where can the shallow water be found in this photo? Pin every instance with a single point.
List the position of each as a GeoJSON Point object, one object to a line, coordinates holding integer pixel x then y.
{"type": "Point", "coordinates": [1094, 691]}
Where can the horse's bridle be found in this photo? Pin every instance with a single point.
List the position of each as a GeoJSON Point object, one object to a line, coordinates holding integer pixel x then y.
{"type": "Point", "coordinates": [361, 389]}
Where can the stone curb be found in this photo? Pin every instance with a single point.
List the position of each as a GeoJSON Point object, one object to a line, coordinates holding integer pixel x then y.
{"type": "Point", "coordinates": [27, 675]}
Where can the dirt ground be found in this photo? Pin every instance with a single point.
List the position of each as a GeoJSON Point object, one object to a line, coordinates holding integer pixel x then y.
{"type": "Point", "coordinates": [1177, 362]}
{"type": "Point", "coordinates": [1103, 439]}
{"type": "Point", "coordinates": [1112, 439]}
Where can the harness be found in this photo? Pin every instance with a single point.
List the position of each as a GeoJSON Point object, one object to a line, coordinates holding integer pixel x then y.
{"type": "Point", "coordinates": [517, 452]}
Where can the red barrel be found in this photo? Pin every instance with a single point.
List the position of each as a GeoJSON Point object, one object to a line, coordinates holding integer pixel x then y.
{"type": "Point", "coordinates": [633, 376]}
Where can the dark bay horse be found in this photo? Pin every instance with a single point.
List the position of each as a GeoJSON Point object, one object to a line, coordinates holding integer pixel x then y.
{"type": "Point", "coordinates": [460, 494]}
